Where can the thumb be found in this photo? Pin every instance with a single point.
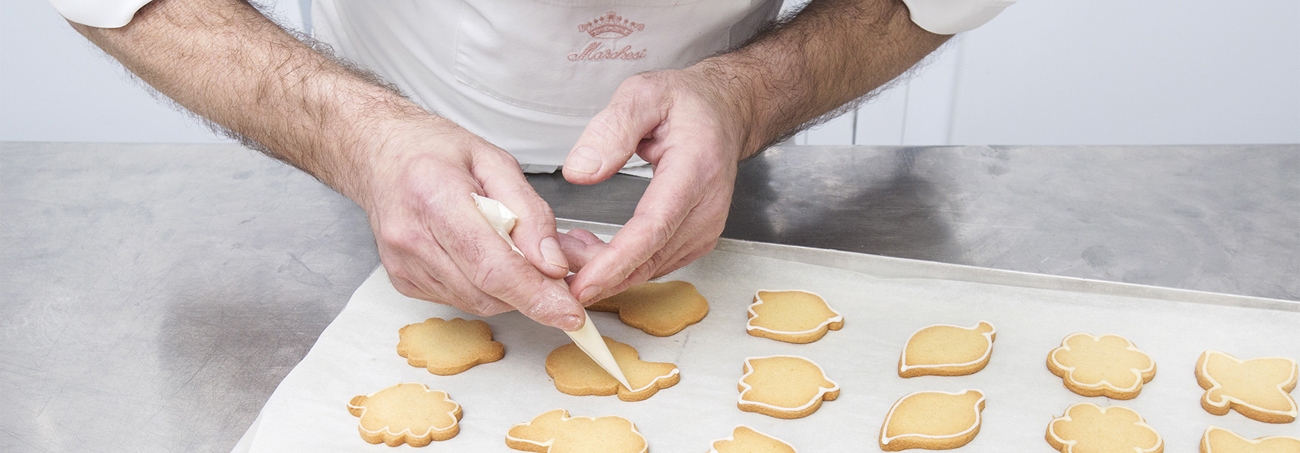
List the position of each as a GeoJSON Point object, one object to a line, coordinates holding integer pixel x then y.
{"type": "Point", "coordinates": [612, 136]}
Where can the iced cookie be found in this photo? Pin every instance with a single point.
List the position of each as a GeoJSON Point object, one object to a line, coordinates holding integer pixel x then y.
{"type": "Point", "coordinates": [946, 350]}
{"type": "Point", "coordinates": [1219, 440]}
{"type": "Point", "coordinates": [1088, 428]}
{"type": "Point", "coordinates": [576, 374]}
{"type": "Point", "coordinates": [659, 309]}
{"type": "Point", "coordinates": [448, 347]}
{"type": "Point", "coordinates": [746, 440]}
{"type": "Point", "coordinates": [791, 316]}
{"type": "Point", "coordinates": [557, 432]}
{"type": "Point", "coordinates": [1257, 388]}
{"type": "Point", "coordinates": [784, 386]}
{"type": "Point", "coordinates": [406, 413]}
{"type": "Point", "coordinates": [1108, 365]}
{"type": "Point", "coordinates": [932, 420]}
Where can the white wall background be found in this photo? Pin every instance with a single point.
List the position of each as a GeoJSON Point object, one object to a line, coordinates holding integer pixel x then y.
{"type": "Point", "coordinates": [1045, 72]}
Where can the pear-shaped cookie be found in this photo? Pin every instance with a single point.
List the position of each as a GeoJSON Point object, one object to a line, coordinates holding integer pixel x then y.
{"type": "Point", "coordinates": [947, 350]}
{"type": "Point", "coordinates": [932, 420]}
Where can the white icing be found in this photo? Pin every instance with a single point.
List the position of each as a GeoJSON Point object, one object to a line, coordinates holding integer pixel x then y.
{"type": "Point", "coordinates": [1204, 371]}
{"type": "Point", "coordinates": [565, 417]}
{"type": "Point", "coordinates": [451, 414]}
{"type": "Point", "coordinates": [822, 391]}
{"type": "Point", "coordinates": [1104, 383]}
{"type": "Point", "coordinates": [758, 300]}
{"type": "Point", "coordinates": [885, 440]}
{"type": "Point", "coordinates": [714, 449]}
{"type": "Point", "coordinates": [988, 336]}
{"type": "Point", "coordinates": [1051, 427]}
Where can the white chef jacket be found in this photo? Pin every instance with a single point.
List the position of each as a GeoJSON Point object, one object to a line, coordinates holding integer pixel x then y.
{"type": "Point", "coordinates": [528, 75]}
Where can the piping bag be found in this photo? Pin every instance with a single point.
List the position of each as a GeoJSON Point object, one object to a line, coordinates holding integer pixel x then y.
{"type": "Point", "coordinates": [587, 338]}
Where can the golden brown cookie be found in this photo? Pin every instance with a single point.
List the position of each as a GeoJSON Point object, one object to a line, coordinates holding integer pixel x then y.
{"type": "Point", "coordinates": [448, 347]}
{"type": "Point", "coordinates": [406, 413]}
{"type": "Point", "coordinates": [1088, 428]}
{"type": "Point", "coordinates": [557, 432]}
{"type": "Point", "coordinates": [746, 440]}
{"type": "Point", "coordinates": [659, 309]}
{"type": "Point", "coordinates": [1108, 365]}
{"type": "Point", "coordinates": [575, 373]}
{"type": "Point", "coordinates": [932, 420]}
{"type": "Point", "coordinates": [947, 350]}
{"type": "Point", "coordinates": [1257, 388]}
{"type": "Point", "coordinates": [1219, 440]}
{"type": "Point", "coordinates": [784, 386]}
{"type": "Point", "coordinates": [791, 316]}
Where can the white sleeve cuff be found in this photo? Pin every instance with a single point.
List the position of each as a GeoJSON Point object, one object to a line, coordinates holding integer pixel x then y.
{"type": "Point", "coordinates": [949, 17]}
{"type": "Point", "coordinates": [99, 13]}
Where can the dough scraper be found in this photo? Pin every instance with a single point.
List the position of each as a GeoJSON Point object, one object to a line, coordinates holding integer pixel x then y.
{"type": "Point", "coordinates": [587, 337]}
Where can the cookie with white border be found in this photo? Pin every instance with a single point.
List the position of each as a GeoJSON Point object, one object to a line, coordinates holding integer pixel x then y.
{"type": "Point", "coordinates": [932, 420]}
{"type": "Point", "coordinates": [448, 347]}
{"type": "Point", "coordinates": [791, 316]}
{"type": "Point", "coordinates": [1257, 388]}
{"type": "Point", "coordinates": [1088, 428]}
{"type": "Point", "coordinates": [407, 413]}
{"type": "Point", "coordinates": [784, 386]}
{"type": "Point", "coordinates": [1219, 440]}
{"type": "Point", "coordinates": [575, 373]}
{"type": "Point", "coordinates": [657, 308]}
{"type": "Point", "coordinates": [947, 350]}
{"type": "Point", "coordinates": [1109, 365]}
{"type": "Point", "coordinates": [748, 440]}
{"type": "Point", "coordinates": [557, 432]}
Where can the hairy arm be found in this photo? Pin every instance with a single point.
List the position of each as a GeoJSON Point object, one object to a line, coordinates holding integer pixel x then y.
{"type": "Point", "coordinates": [696, 124]}
{"type": "Point", "coordinates": [411, 171]}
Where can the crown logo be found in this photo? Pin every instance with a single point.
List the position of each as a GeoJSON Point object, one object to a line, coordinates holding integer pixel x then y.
{"type": "Point", "coordinates": [610, 26]}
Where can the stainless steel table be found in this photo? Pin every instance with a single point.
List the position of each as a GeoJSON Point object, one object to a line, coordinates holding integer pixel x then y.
{"type": "Point", "coordinates": [154, 295]}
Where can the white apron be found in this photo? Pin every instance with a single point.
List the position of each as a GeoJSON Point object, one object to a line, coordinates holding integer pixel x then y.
{"type": "Point", "coordinates": [527, 75]}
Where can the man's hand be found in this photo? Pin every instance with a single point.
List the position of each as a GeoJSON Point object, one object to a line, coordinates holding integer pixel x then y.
{"type": "Point", "coordinates": [691, 130]}
{"type": "Point", "coordinates": [436, 245]}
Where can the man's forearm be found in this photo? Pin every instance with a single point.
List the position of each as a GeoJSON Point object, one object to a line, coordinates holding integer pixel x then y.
{"type": "Point", "coordinates": [831, 53]}
{"type": "Point", "coordinates": [226, 62]}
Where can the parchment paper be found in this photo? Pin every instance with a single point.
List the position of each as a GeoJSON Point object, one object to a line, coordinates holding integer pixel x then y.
{"type": "Point", "coordinates": [356, 355]}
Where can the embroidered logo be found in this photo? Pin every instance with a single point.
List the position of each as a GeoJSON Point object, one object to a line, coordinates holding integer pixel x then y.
{"type": "Point", "coordinates": [609, 26]}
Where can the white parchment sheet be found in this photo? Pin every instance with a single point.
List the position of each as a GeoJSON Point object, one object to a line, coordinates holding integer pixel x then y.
{"type": "Point", "coordinates": [357, 355]}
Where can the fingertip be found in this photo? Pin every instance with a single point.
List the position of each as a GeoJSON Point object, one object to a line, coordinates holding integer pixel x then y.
{"type": "Point", "coordinates": [553, 255]}
{"type": "Point", "coordinates": [570, 323]}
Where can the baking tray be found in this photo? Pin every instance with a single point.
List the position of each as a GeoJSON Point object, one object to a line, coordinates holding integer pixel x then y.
{"type": "Point", "coordinates": [883, 300]}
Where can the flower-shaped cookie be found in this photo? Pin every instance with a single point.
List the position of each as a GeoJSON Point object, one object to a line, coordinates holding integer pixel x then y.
{"type": "Point", "coordinates": [791, 316]}
{"type": "Point", "coordinates": [557, 432]}
{"type": "Point", "coordinates": [1257, 388]}
{"type": "Point", "coordinates": [1219, 440]}
{"type": "Point", "coordinates": [746, 440]}
{"type": "Point", "coordinates": [932, 420]}
{"type": "Point", "coordinates": [1108, 365]}
{"type": "Point", "coordinates": [947, 350]}
{"type": "Point", "coordinates": [1088, 428]}
{"type": "Point", "coordinates": [406, 413]}
{"type": "Point", "coordinates": [575, 373]}
{"type": "Point", "coordinates": [659, 309]}
{"type": "Point", "coordinates": [784, 386]}
{"type": "Point", "coordinates": [448, 347]}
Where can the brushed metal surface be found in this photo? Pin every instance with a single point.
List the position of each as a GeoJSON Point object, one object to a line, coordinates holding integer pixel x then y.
{"type": "Point", "coordinates": [153, 295]}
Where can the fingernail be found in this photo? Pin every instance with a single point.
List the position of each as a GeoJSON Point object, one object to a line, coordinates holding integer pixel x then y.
{"type": "Point", "coordinates": [584, 160]}
{"type": "Point", "coordinates": [552, 254]}
{"type": "Point", "coordinates": [590, 293]}
{"type": "Point", "coordinates": [569, 323]}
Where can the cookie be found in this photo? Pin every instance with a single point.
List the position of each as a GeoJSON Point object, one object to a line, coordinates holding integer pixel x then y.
{"type": "Point", "coordinates": [947, 350]}
{"type": "Point", "coordinates": [932, 420]}
{"type": "Point", "coordinates": [791, 316]}
{"type": "Point", "coordinates": [1108, 365]}
{"type": "Point", "coordinates": [659, 309]}
{"type": "Point", "coordinates": [1219, 440]}
{"type": "Point", "coordinates": [1088, 428]}
{"type": "Point", "coordinates": [406, 413]}
{"type": "Point", "coordinates": [557, 432]}
{"type": "Point", "coordinates": [1257, 388]}
{"type": "Point", "coordinates": [746, 440]}
{"type": "Point", "coordinates": [448, 347]}
{"type": "Point", "coordinates": [576, 374]}
{"type": "Point", "coordinates": [784, 386]}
